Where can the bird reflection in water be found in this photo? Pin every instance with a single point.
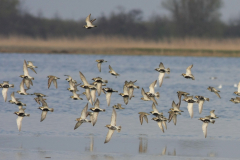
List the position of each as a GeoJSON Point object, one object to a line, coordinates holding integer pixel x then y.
{"type": "Point", "coordinates": [172, 154]}
{"type": "Point", "coordinates": [90, 148]}
{"type": "Point", "coordinates": [143, 145]}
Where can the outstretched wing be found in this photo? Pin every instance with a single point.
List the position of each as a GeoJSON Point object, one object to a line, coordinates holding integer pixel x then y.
{"type": "Point", "coordinates": [77, 124]}
{"type": "Point", "coordinates": [188, 70]}
{"type": "Point", "coordinates": [204, 128]}
{"type": "Point", "coordinates": [109, 135]}
{"type": "Point", "coordinates": [113, 118]}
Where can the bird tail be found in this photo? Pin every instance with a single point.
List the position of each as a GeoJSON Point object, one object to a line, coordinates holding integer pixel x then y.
{"type": "Point", "coordinates": [51, 109]}
{"type": "Point", "coordinates": [27, 115]}
{"type": "Point", "coordinates": [213, 122]}
{"type": "Point", "coordinates": [105, 81]}
{"type": "Point", "coordinates": [119, 128]}
{"type": "Point", "coordinates": [207, 99]}
{"type": "Point", "coordinates": [168, 70]}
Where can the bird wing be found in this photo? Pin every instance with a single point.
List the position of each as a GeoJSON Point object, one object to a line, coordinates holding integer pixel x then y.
{"type": "Point", "coordinates": [83, 79]}
{"type": "Point", "coordinates": [96, 104]}
{"type": "Point", "coordinates": [55, 83]}
{"type": "Point", "coordinates": [50, 81]}
{"type": "Point", "coordinates": [110, 68]}
{"type": "Point", "coordinates": [174, 106]}
{"type": "Point", "coordinates": [99, 67]}
{"type": "Point", "coordinates": [125, 90]}
{"type": "Point", "coordinates": [161, 66]}
{"type": "Point", "coordinates": [22, 86]}
{"type": "Point", "coordinates": [108, 97]}
{"type": "Point", "coordinates": [125, 99]}
{"type": "Point", "coordinates": [154, 100]}
{"type": "Point", "coordinates": [212, 113]}
{"type": "Point", "coordinates": [4, 93]}
{"type": "Point", "coordinates": [94, 117]}
{"type": "Point", "coordinates": [160, 78]}
{"type": "Point", "coordinates": [190, 109]}
{"type": "Point", "coordinates": [78, 124]}
{"type": "Point", "coordinates": [13, 97]}
{"type": "Point", "coordinates": [27, 83]}
{"type": "Point", "coordinates": [188, 70]}
{"type": "Point", "coordinates": [174, 119]}
{"type": "Point", "coordinates": [99, 88]}
{"type": "Point", "coordinates": [93, 95]}
{"type": "Point", "coordinates": [93, 20]}
{"type": "Point", "coordinates": [239, 87]}
{"type": "Point", "coordinates": [141, 118]}
{"type": "Point", "coordinates": [217, 94]}
{"type": "Point", "coordinates": [204, 128]}
{"type": "Point", "coordinates": [25, 70]}
{"type": "Point", "coordinates": [88, 20]}
{"type": "Point", "coordinates": [44, 115]}
{"type": "Point", "coordinates": [19, 123]}
{"type": "Point", "coordinates": [130, 92]}
{"type": "Point", "coordinates": [144, 94]}
{"type": "Point", "coordinates": [165, 124]}
{"type": "Point", "coordinates": [109, 135]}
{"type": "Point", "coordinates": [145, 117]}
{"type": "Point", "coordinates": [33, 70]}
{"type": "Point", "coordinates": [151, 87]}
{"type": "Point", "coordinates": [160, 126]}
{"type": "Point", "coordinates": [84, 112]}
{"type": "Point", "coordinates": [113, 118]}
{"type": "Point", "coordinates": [200, 106]}
{"type": "Point", "coordinates": [154, 108]}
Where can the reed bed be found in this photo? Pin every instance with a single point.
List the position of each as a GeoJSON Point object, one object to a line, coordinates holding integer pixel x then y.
{"type": "Point", "coordinates": [98, 43]}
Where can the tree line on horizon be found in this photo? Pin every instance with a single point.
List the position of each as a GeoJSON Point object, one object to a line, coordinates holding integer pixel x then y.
{"type": "Point", "coordinates": [188, 18]}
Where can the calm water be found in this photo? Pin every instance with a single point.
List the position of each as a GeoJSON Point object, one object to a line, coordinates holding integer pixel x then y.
{"type": "Point", "coordinates": [55, 137]}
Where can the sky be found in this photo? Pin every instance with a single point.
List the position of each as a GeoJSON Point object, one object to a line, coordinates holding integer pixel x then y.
{"type": "Point", "coordinates": [79, 9]}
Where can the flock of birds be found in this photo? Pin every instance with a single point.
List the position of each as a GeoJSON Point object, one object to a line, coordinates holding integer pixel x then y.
{"type": "Point", "coordinates": [128, 94]}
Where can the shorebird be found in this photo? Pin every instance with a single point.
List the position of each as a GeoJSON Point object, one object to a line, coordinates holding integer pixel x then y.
{"type": "Point", "coordinates": [180, 94]}
{"type": "Point", "coordinates": [212, 114]}
{"type": "Point", "coordinates": [21, 113]}
{"type": "Point", "coordinates": [118, 106]}
{"type": "Point", "coordinates": [96, 109]}
{"type": "Point", "coordinates": [125, 94]}
{"type": "Point", "coordinates": [143, 115]}
{"type": "Point", "coordinates": [190, 101]}
{"type": "Point", "coordinates": [173, 116]}
{"type": "Point", "coordinates": [235, 100]}
{"type": "Point", "coordinates": [45, 110]}
{"type": "Point", "coordinates": [130, 85]}
{"type": "Point", "coordinates": [100, 61]}
{"type": "Point", "coordinates": [87, 87]}
{"type": "Point", "coordinates": [155, 111]}
{"type": "Point", "coordinates": [160, 122]}
{"type": "Point", "coordinates": [200, 101]}
{"type": "Point", "coordinates": [175, 107]}
{"type": "Point", "coordinates": [73, 86]}
{"type": "Point", "coordinates": [16, 100]}
{"type": "Point", "coordinates": [22, 90]}
{"type": "Point", "coordinates": [205, 121]}
{"type": "Point", "coordinates": [25, 72]}
{"type": "Point", "coordinates": [40, 98]}
{"type": "Point", "coordinates": [5, 85]}
{"type": "Point", "coordinates": [70, 79]}
{"type": "Point", "coordinates": [99, 82]}
{"type": "Point", "coordinates": [83, 118]}
{"type": "Point", "coordinates": [89, 24]}
{"type": "Point", "coordinates": [188, 73]}
{"type": "Point", "coordinates": [148, 98]}
{"type": "Point", "coordinates": [75, 96]}
{"type": "Point", "coordinates": [52, 79]}
{"type": "Point", "coordinates": [31, 66]}
{"type": "Point", "coordinates": [238, 91]}
{"type": "Point", "coordinates": [151, 92]}
{"type": "Point", "coordinates": [112, 126]}
{"type": "Point", "coordinates": [162, 72]}
{"type": "Point", "coordinates": [212, 89]}
{"type": "Point", "coordinates": [108, 94]}
{"type": "Point", "coordinates": [113, 72]}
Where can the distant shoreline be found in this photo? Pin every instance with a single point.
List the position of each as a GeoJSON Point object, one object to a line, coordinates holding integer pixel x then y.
{"type": "Point", "coordinates": [125, 51]}
{"type": "Point", "coordinates": [123, 46]}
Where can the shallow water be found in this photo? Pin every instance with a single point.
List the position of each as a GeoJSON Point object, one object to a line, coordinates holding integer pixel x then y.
{"type": "Point", "coordinates": [56, 138]}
